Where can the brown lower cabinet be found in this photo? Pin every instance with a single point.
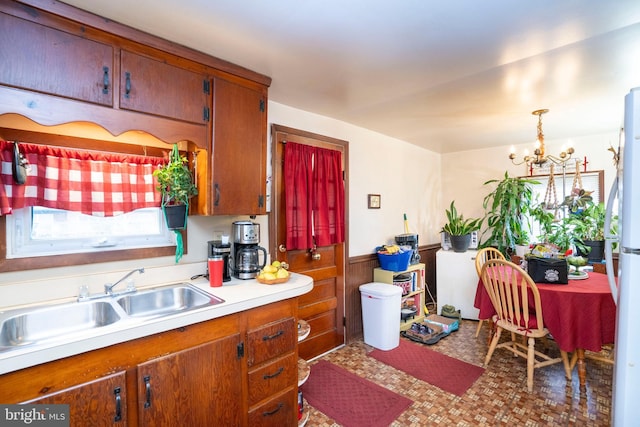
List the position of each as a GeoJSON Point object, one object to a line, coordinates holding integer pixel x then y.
{"type": "Point", "coordinates": [199, 375]}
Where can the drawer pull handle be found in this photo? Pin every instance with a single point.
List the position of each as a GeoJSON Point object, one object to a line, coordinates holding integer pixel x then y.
{"type": "Point", "coordinates": [269, 413]}
{"type": "Point", "coordinates": [116, 392]}
{"type": "Point", "coordinates": [270, 337]}
{"type": "Point", "coordinates": [147, 387]}
{"type": "Point", "coordinates": [275, 374]}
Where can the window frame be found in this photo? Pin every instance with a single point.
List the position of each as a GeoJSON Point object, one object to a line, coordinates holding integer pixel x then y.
{"type": "Point", "coordinates": [68, 260]}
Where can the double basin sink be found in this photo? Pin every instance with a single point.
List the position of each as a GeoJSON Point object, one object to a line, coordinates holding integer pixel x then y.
{"type": "Point", "coordinates": [62, 322]}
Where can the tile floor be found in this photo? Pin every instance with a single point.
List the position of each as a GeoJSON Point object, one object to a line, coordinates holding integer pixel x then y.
{"type": "Point", "coordinates": [498, 398]}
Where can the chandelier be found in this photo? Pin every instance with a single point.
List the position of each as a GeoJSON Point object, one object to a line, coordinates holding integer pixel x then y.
{"type": "Point", "coordinates": [539, 157]}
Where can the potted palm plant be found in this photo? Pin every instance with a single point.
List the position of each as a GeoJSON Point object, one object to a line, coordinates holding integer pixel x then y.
{"type": "Point", "coordinates": [506, 208]}
{"type": "Point", "coordinates": [459, 228]}
{"type": "Point", "coordinates": [175, 182]}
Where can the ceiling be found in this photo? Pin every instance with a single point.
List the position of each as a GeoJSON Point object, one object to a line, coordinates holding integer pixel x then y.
{"type": "Point", "coordinates": [447, 76]}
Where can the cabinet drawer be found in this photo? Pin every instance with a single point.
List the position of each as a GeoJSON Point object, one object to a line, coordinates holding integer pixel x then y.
{"type": "Point", "coordinates": [272, 378]}
{"type": "Point", "coordinates": [282, 411]}
{"type": "Point", "coordinates": [271, 341]}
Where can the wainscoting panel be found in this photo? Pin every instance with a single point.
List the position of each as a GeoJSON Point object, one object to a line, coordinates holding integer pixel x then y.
{"type": "Point", "coordinates": [360, 271]}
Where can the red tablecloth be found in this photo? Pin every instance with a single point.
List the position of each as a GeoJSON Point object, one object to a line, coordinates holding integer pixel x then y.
{"type": "Point", "coordinates": [579, 315]}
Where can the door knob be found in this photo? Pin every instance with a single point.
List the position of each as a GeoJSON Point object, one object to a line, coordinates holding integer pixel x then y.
{"type": "Point", "coordinates": [282, 248]}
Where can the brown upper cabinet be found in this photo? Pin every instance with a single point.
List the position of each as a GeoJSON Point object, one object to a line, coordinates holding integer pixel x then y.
{"type": "Point", "coordinates": [239, 149]}
{"type": "Point", "coordinates": [154, 87]}
{"type": "Point", "coordinates": [61, 64]}
{"type": "Point", "coordinates": [44, 59]}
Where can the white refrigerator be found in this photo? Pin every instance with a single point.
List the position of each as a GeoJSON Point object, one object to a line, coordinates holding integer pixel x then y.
{"type": "Point", "coordinates": [626, 293]}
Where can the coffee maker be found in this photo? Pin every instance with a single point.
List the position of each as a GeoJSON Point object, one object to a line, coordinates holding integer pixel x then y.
{"type": "Point", "coordinates": [246, 258]}
{"type": "Point", "coordinates": [217, 248]}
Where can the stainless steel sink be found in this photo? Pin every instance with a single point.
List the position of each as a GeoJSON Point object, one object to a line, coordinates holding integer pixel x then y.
{"type": "Point", "coordinates": [166, 300]}
{"type": "Point", "coordinates": [66, 322]}
{"type": "Point", "coordinates": [29, 326]}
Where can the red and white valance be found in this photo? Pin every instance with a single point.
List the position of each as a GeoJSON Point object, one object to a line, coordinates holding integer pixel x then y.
{"type": "Point", "coordinates": [94, 183]}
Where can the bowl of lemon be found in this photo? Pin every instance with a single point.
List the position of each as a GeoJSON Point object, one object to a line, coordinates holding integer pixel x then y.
{"type": "Point", "coordinates": [273, 273]}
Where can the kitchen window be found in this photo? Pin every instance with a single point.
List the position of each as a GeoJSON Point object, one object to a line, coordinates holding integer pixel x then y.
{"type": "Point", "coordinates": [39, 231]}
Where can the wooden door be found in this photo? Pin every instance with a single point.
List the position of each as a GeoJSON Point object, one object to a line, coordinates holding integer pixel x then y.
{"type": "Point", "coordinates": [201, 386]}
{"type": "Point", "coordinates": [323, 307]}
{"type": "Point", "coordinates": [101, 402]}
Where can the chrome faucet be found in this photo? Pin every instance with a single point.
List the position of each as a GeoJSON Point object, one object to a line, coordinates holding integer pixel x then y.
{"type": "Point", "coordinates": [108, 288]}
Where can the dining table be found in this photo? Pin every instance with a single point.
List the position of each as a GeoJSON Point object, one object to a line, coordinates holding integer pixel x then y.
{"type": "Point", "coordinates": [580, 315]}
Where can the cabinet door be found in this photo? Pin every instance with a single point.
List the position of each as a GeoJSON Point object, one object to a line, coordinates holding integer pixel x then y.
{"type": "Point", "coordinates": [43, 59]}
{"type": "Point", "coordinates": [239, 149]}
{"type": "Point", "coordinates": [152, 86]}
{"type": "Point", "coordinates": [97, 403]}
{"type": "Point", "coordinates": [200, 386]}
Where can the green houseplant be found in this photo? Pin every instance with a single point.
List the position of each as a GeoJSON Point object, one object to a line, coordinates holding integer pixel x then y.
{"type": "Point", "coordinates": [588, 230]}
{"type": "Point", "coordinates": [459, 228]}
{"type": "Point", "coordinates": [506, 207]}
{"type": "Point", "coordinates": [175, 182]}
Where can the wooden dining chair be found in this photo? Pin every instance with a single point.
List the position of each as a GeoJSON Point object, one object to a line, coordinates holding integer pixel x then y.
{"type": "Point", "coordinates": [516, 300]}
{"type": "Point", "coordinates": [484, 255]}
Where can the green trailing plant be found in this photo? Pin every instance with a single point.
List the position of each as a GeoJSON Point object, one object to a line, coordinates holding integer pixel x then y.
{"type": "Point", "coordinates": [175, 180]}
{"type": "Point", "coordinates": [506, 208]}
{"type": "Point", "coordinates": [457, 224]}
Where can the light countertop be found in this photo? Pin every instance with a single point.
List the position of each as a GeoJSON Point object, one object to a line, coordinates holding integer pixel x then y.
{"type": "Point", "coordinates": [238, 295]}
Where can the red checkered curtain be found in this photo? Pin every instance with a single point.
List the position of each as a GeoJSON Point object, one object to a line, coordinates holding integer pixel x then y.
{"type": "Point", "coordinates": [91, 182]}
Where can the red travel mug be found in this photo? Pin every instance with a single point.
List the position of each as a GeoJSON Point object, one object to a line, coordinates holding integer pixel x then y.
{"type": "Point", "coordinates": [216, 265]}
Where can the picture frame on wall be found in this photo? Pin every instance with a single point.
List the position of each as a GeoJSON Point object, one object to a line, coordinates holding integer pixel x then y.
{"type": "Point", "coordinates": [373, 201]}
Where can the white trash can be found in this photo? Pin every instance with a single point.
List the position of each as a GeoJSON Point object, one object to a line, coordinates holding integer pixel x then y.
{"type": "Point", "coordinates": [381, 315]}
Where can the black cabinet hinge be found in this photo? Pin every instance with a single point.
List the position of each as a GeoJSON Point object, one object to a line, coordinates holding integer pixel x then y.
{"type": "Point", "coordinates": [262, 106]}
{"type": "Point", "coordinates": [206, 87]}
{"type": "Point", "coordinates": [240, 350]}
{"type": "Point", "coordinates": [261, 201]}
{"type": "Point", "coordinates": [205, 114]}
{"type": "Point", "coordinates": [344, 322]}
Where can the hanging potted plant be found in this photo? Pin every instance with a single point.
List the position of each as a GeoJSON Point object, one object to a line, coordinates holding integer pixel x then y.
{"type": "Point", "coordinates": [175, 182]}
{"type": "Point", "coordinates": [506, 208]}
{"type": "Point", "coordinates": [578, 200]}
{"type": "Point", "coordinates": [459, 229]}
